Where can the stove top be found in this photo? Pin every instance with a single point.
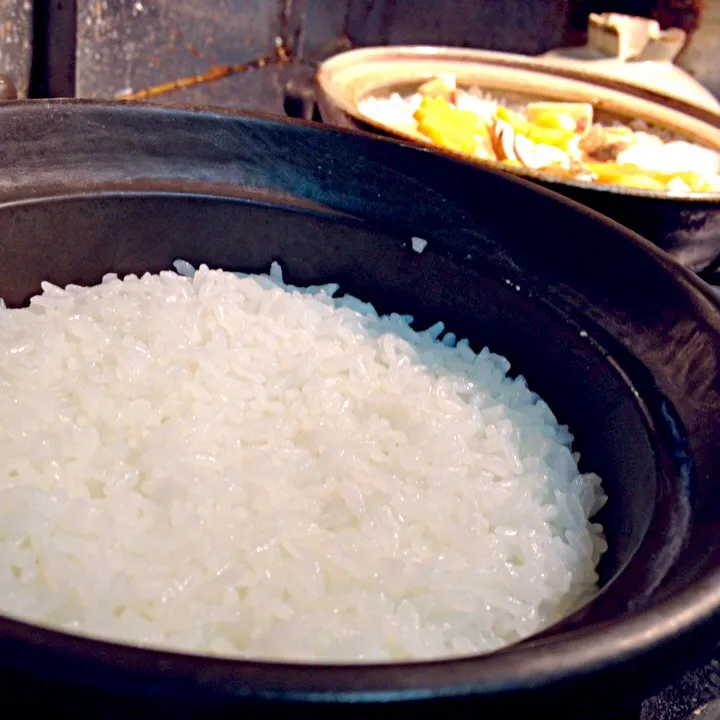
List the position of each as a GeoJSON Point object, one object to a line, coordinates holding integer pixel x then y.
{"type": "Point", "coordinates": [695, 696]}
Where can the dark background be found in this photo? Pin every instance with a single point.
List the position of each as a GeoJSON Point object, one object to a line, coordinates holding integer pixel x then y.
{"type": "Point", "coordinates": [102, 48]}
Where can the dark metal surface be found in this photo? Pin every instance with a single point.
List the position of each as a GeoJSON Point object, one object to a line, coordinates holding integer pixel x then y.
{"type": "Point", "coordinates": [664, 602]}
{"type": "Point", "coordinates": [133, 44]}
{"type": "Point", "coordinates": [127, 45]}
{"type": "Point", "coordinates": [52, 72]}
{"type": "Point", "coordinates": [513, 25]}
{"type": "Point", "coordinates": [694, 696]}
{"type": "Point", "coordinates": [8, 89]}
{"type": "Point", "coordinates": [708, 711]}
{"type": "Point", "coordinates": [15, 41]}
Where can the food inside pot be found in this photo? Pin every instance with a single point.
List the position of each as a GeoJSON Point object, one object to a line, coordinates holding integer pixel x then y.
{"type": "Point", "coordinates": [565, 138]}
{"type": "Point", "coordinates": [231, 465]}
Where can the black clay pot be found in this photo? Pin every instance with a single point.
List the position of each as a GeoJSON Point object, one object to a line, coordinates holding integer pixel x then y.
{"type": "Point", "coordinates": [622, 342]}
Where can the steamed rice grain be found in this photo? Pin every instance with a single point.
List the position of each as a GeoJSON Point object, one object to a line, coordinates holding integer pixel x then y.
{"type": "Point", "coordinates": [229, 465]}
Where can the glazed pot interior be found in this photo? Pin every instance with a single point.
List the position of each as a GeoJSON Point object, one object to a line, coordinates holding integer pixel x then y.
{"type": "Point", "coordinates": [571, 367]}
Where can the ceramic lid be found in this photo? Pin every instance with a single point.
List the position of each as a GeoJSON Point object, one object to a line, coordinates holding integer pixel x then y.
{"type": "Point", "coordinates": [635, 50]}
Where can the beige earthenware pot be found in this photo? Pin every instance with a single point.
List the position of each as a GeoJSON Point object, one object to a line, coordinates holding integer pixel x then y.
{"type": "Point", "coordinates": [687, 225]}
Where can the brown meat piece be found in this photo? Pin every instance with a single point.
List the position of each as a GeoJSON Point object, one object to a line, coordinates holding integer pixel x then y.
{"type": "Point", "coordinates": [604, 144]}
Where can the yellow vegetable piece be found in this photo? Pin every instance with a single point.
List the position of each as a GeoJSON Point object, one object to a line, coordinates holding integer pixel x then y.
{"type": "Point", "coordinates": [437, 107]}
{"type": "Point", "coordinates": [612, 172]}
{"type": "Point", "coordinates": [463, 142]}
{"type": "Point", "coordinates": [553, 120]}
{"type": "Point", "coordinates": [696, 182]}
{"type": "Point", "coordinates": [478, 125]}
{"type": "Point", "coordinates": [641, 182]}
{"type": "Point", "coordinates": [512, 163]}
{"type": "Point", "coordinates": [554, 114]}
{"type": "Point", "coordinates": [440, 86]}
{"type": "Point", "coordinates": [446, 118]}
{"type": "Point", "coordinates": [631, 176]}
{"type": "Point", "coordinates": [459, 119]}
{"type": "Point", "coordinates": [432, 105]}
{"type": "Point", "coordinates": [538, 134]}
{"type": "Point", "coordinates": [429, 102]}
{"type": "Point", "coordinates": [514, 119]}
{"type": "Point", "coordinates": [550, 136]}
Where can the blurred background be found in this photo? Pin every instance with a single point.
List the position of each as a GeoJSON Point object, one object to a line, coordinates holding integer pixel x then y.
{"type": "Point", "coordinates": [106, 48]}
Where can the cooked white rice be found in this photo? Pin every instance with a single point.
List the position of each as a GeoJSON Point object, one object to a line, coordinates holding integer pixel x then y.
{"type": "Point", "coordinates": [228, 465]}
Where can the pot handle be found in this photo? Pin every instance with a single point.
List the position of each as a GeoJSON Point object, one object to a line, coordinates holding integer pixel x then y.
{"type": "Point", "coordinates": [626, 37]}
{"type": "Point", "coordinates": [299, 101]}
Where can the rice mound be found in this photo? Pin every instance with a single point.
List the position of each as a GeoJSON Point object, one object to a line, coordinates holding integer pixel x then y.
{"type": "Point", "coordinates": [224, 464]}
